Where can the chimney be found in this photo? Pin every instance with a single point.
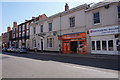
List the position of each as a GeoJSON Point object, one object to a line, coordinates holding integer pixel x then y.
{"type": "Point", "coordinates": [33, 17]}
{"type": "Point", "coordinates": [8, 29]}
{"type": "Point", "coordinates": [26, 20]}
{"type": "Point", "coordinates": [66, 7]}
{"type": "Point", "coordinates": [14, 23]}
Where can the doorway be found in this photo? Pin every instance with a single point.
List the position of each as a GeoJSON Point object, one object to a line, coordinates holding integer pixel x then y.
{"type": "Point", "coordinates": [41, 44]}
{"type": "Point", "coordinates": [73, 46]}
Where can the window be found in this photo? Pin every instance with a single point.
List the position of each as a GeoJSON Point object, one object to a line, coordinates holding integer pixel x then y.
{"type": "Point", "coordinates": [96, 17]}
{"type": "Point", "coordinates": [34, 43]}
{"type": "Point", "coordinates": [93, 45]}
{"type": "Point", "coordinates": [13, 35]}
{"type": "Point", "coordinates": [27, 25]}
{"type": "Point", "coordinates": [118, 44]}
{"type": "Point", "coordinates": [104, 45]}
{"type": "Point", "coordinates": [50, 26]}
{"type": "Point", "coordinates": [72, 21]}
{"type": "Point", "coordinates": [27, 32]}
{"type": "Point", "coordinates": [19, 43]}
{"type": "Point", "coordinates": [23, 33]}
{"type": "Point", "coordinates": [110, 45]}
{"type": "Point", "coordinates": [16, 34]}
{"type": "Point", "coordinates": [23, 27]}
{"type": "Point", "coordinates": [41, 28]}
{"type": "Point", "coordinates": [16, 30]}
{"type": "Point", "coordinates": [19, 28]}
{"type": "Point", "coordinates": [98, 45]}
{"type": "Point", "coordinates": [19, 34]}
{"type": "Point", "coordinates": [118, 11]}
{"type": "Point", "coordinates": [34, 30]}
{"type": "Point", "coordinates": [50, 42]}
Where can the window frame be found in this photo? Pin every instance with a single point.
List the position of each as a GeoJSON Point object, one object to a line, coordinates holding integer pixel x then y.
{"type": "Point", "coordinates": [50, 27]}
{"type": "Point", "coordinates": [48, 42]}
{"type": "Point", "coordinates": [72, 21]}
{"type": "Point", "coordinates": [96, 18]}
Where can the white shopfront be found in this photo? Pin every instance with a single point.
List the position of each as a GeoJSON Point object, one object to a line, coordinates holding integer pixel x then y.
{"type": "Point", "coordinates": [105, 40]}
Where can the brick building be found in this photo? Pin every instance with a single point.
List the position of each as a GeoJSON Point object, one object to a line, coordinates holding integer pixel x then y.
{"type": "Point", "coordinates": [5, 38]}
{"type": "Point", "coordinates": [21, 32]}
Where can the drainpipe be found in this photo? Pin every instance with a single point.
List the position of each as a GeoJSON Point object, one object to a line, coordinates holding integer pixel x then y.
{"type": "Point", "coordinates": [60, 37]}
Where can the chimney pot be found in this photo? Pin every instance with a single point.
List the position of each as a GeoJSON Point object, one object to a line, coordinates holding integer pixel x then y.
{"type": "Point", "coordinates": [8, 29]}
{"type": "Point", "coordinates": [66, 7]}
{"type": "Point", "coordinates": [14, 23]}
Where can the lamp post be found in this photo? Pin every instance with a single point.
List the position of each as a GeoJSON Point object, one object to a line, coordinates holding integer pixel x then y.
{"type": "Point", "coordinates": [60, 36]}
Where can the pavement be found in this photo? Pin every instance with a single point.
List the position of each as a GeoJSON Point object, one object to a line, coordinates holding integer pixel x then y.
{"type": "Point", "coordinates": [36, 65]}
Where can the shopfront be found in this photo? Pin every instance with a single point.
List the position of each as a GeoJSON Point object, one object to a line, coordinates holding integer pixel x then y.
{"type": "Point", "coordinates": [74, 43]}
{"type": "Point", "coordinates": [105, 40]}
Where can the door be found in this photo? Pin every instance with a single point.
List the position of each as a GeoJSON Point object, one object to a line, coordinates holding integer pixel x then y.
{"type": "Point", "coordinates": [41, 44]}
{"type": "Point", "coordinates": [66, 47]}
{"type": "Point", "coordinates": [73, 46]}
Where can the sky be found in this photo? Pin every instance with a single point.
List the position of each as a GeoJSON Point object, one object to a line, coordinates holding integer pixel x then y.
{"type": "Point", "coordinates": [11, 11]}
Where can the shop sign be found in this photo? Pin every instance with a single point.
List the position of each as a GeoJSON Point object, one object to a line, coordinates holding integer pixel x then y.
{"type": "Point", "coordinates": [104, 31]}
{"type": "Point", "coordinates": [71, 36]}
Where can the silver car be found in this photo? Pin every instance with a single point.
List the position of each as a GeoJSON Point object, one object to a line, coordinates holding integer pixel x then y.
{"type": "Point", "coordinates": [21, 50]}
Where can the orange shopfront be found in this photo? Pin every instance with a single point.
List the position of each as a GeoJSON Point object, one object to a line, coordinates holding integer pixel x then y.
{"type": "Point", "coordinates": [74, 43]}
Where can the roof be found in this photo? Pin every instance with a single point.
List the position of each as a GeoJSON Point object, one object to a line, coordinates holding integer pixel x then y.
{"type": "Point", "coordinates": [98, 5]}
{"type": "Point", "coordinates": [65, 12]}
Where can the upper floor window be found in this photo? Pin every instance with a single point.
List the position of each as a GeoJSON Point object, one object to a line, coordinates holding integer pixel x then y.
{"type": "Point", "coordinates": [72, 21]}
{"type": "Point", "coordinates": [34, 30]}
{"type": "Point", "coordinates": [23, 33]}
{"type": "Point", "coordinates": [118, 11]}
{"type": "Point", "coordinates": [19, 34]}
{"type": "Point", "coordinates": [16, 34]}
{"type": "Point", "coordinates": [19, 28]}
{"type": "Point", "coordinates": [27, 25]}
{"type": "Point", "coordinates": [50, 26]}
{"type": "Point", "coordinates": [41, 28]}
{"type": "Point", "coordinates": [96, 17]}
{"type": "Point", "coordinates": [27, 32]}
{"type": "Point", "coordinates": [23, 27]}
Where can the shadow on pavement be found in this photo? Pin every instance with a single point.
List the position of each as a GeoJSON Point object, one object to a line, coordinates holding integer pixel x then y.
{"type": "Point", "coordinates": [100, 63]}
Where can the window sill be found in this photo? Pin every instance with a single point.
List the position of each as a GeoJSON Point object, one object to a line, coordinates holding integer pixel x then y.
{"type": "Point", "coordinates": [97, 24]}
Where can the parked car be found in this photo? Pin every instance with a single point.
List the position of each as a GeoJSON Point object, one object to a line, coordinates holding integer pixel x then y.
{"type": "Point", "coordinates": [12, 49]}
{"type": "Point", "coordinates": [4, 49]}
{"type": "Point", "coordinates": [21, 50]}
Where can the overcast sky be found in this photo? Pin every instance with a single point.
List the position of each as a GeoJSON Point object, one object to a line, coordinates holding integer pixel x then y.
{"type": "Point", "coordinates": [21, 11]}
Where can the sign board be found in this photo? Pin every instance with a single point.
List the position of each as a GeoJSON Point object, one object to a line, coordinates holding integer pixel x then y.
{"type": "Point", "coordinates": [104, 31]}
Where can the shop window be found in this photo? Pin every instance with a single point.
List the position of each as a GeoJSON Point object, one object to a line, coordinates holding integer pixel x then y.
{"type": "Point", "coordinates": [50, 42]}
{"type": "Point", "coordinates": [104, 45]}
{"type": "Point", "coordinates": [72, 21]}
{"type": "Point", "coordinates": [96, 18]}
{"type": "Point", "coordinates": [118, 11]}
{"type": "Point", "coordinates": [93, 45]}
{"type": "Point", "coordinates": [98, 45]}
{"type": "Point", "coordinates": [110, 45]}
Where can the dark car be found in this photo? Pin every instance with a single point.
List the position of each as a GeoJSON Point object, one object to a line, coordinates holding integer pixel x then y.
{"type": "Point", "coordinates": [4, 49]}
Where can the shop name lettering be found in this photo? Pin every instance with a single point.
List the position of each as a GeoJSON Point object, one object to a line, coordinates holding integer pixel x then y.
{"type": "Point", "coordinates": [103, 30]}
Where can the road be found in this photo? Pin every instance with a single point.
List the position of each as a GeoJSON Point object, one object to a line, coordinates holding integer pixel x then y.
{"type": "Point", "coordinates": [48, 66]}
